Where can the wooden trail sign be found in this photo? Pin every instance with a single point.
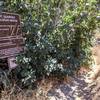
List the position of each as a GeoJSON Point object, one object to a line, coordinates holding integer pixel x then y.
{"type": "Point", "coordinates": [11, 40]}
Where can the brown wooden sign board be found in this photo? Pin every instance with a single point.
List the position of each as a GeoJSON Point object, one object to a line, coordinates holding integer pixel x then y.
{"type": "Point", "coordinates": [11, 40]}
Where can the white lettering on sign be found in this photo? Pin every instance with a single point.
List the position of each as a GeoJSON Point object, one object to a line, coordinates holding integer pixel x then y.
{"type": "Point", "coordinates": [9, 17]}
{"type": "Point", "coordinates": [8, 20]}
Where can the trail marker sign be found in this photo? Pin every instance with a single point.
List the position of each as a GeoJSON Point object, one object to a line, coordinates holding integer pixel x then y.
{"type": "Point", "coordinates": [11, 40]}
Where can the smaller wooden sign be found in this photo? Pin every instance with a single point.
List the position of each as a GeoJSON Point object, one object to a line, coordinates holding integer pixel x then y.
{"type": "Point", "coordinates": [11, 40]}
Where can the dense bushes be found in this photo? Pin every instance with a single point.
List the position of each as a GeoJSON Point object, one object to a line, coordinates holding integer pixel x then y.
{"type": "Point", "coordinates": [58, 36]}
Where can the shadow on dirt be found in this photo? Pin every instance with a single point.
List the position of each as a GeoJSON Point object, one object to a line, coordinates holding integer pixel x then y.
{"type": "Point", "coordinates": [77, 88]}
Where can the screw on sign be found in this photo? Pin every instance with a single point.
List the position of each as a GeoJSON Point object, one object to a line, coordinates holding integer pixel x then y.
{"type": "Point", "coordinates": [11, 40]}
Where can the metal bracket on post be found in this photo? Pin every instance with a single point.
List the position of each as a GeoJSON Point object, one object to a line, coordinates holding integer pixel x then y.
{"type": "Point", "coordinates": [12, 63]}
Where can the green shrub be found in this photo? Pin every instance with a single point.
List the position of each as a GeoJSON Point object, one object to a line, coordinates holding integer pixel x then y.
{"type": "Point", "coordinates": [58, 36]}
